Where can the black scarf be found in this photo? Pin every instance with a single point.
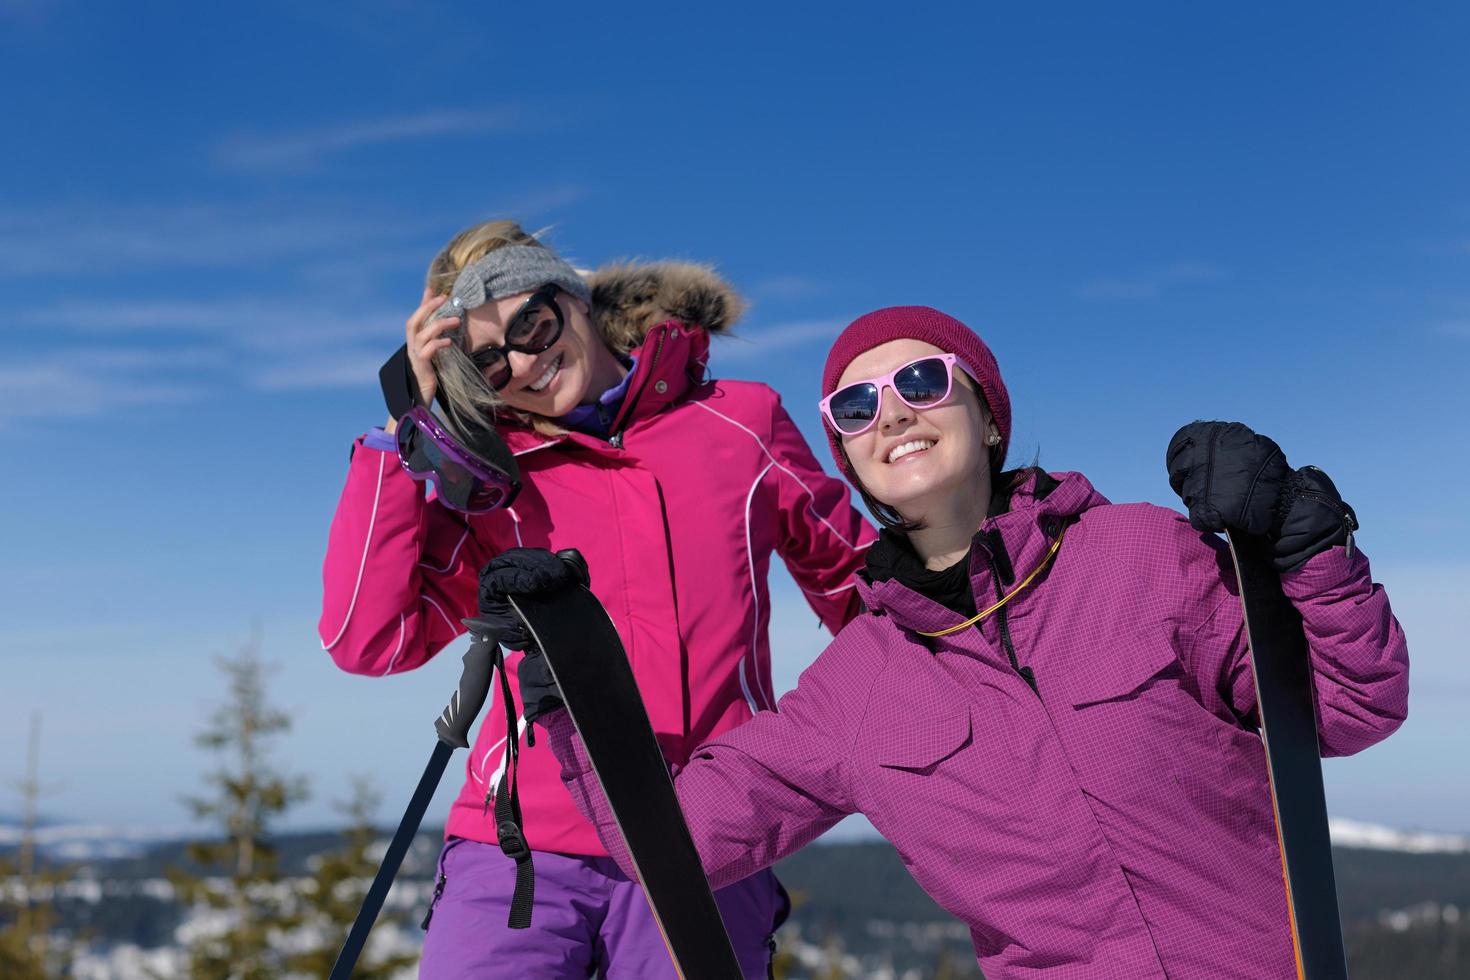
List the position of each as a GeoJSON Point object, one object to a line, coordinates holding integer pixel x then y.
{"type": "Point", "coordinates": [892, 556]}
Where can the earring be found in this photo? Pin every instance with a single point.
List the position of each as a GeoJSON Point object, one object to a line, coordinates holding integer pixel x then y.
{"type": "Point", "coordinates": [994, 440]}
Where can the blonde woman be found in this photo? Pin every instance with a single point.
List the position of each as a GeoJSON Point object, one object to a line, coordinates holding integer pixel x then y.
{"type": "Point", "coordinates": [676, 487]}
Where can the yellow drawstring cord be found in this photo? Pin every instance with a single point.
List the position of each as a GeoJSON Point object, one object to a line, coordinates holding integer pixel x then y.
{"type": "Point", "coordinates": [1007, 597]}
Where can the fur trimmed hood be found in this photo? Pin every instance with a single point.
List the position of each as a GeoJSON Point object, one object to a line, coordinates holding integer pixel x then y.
{"type": "Point", "coordinates": [629, 299]}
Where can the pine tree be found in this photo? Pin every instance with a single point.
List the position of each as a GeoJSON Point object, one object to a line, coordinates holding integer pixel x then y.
{"type": "Point", "coordinates": [22, 957]}
{"type": "Point", "coordinates": [254, 904]}
{"type": "Point", "coordinates": [330, 901]}
{"type": "Point", "coordinates": [29, 948]}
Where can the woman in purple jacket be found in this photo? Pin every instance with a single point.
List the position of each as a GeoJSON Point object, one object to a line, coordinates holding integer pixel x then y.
{"type": "Point", "coordinates": [1048, 709]}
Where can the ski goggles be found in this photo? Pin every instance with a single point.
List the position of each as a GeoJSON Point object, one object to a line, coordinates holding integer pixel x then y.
{"type": "Point", "coordinates": [464, 482]}
{"type": "Point", "coordinates": [924, 383]}
{"type": "Point", "coordinates": [533, 329]}
{"type": "Point", "coordinates": [471, 480]}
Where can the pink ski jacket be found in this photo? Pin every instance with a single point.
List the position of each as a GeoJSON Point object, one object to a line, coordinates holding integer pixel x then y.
{"type": "Point", "coordinates": [1117, 825]}
{"type": "Point", "coordinates": [678, 518]}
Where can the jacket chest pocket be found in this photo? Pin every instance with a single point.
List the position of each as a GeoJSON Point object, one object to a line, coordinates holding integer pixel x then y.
{"type": "Point", "coordinates": [914, 764]}
{"type": "Point", "coordinates": [1130, 721]}
{"type": "Point", "coordinates": [920, 744]}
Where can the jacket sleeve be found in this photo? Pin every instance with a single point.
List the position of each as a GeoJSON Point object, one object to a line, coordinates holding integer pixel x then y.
{"type": "Point", "coordinates": [750, 797]}
{"type": "Point", "coordinates": [400, 571]}
{"type": "Point", "coordinates": [1360, 662]}
{"type": "Point", "coordinates": [823, 538]}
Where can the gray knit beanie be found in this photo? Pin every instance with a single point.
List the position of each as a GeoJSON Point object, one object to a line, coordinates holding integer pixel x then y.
{"type": "Point", "coordinates": [508, 271]}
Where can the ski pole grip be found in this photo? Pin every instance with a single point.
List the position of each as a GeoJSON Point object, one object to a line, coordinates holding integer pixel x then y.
{"type": "Point", "coordinates": [577, 564]}
{"type": "Point", "coordinates": [453, 726]}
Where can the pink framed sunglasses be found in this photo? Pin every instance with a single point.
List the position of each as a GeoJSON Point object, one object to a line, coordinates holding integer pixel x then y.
{"type": "Point", "coordinates": [924, 383]}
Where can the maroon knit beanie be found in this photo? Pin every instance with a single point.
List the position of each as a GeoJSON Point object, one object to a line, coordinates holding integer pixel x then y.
{"type": "Point", "coordinates": [931, 326]}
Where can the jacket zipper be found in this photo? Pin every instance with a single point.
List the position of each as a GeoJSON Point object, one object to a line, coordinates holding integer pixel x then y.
{"type": "Point", "coordinates": [616, 441]}
{"type": "Point", "coordinates": [438, 893]}
{"type": "Point", "coordinates": [1027, 674]}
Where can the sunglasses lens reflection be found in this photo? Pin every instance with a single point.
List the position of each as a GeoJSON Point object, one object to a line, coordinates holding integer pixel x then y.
{"type": "Point", "coordinates": [923, 382]}
{"type": "Point", "coordinates": [853, 407]}
{"type": "Point", "coordinates": [494, 368]}
{"type": "Point", "coordinates": [536, 328]}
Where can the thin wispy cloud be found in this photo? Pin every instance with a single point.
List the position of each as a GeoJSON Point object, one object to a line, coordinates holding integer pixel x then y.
{"type": "Point", "coordinates": [84, 240]}
{"type": "Point", "coordinates": [97, 382]}
{"type": "Point", "coordinates": [303, 149]}
{"type": "Point", "coordinates": [764, 341]}
{"type": "Point", "coordinates": [243, 323]}
{"type": "Point", "coordinates": [1458, 329]}
{"type": "Point", "coordinates": [264, 345]}
{"type": "Point", "coordinates": [1151, 285]}
{"type": "Point", "coordinates": [323, 370]}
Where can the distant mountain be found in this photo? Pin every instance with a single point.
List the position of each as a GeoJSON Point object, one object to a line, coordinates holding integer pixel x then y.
{"type": "Point", "coordinates": [89, 842]}
{"type": "Point", "coordinates": [1372, 837]}
{"type": "Point", "coordinates": [1401, 894]}
{"type": "Point", "coordinates": [96, 841]}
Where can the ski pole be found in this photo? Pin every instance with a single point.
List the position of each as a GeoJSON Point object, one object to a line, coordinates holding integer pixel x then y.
{"type": "Point", "coordinates": [452, 728]}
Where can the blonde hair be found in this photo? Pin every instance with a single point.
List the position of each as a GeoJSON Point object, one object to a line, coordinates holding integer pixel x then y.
{"type": "Point", "coordinates": [470, 403]}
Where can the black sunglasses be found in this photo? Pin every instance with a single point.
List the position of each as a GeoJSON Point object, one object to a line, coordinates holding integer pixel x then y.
{"type": "Point", "coordinates": [534, 328]}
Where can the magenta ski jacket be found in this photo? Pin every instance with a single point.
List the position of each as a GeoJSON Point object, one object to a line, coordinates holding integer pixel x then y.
{"type": "Point", "coordinates": [1118, 823]}
{"type": "Point", "coordinates": [678, 521]}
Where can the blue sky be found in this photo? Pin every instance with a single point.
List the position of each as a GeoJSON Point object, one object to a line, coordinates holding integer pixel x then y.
{"type": "Point", "coordinates": [213, 224]}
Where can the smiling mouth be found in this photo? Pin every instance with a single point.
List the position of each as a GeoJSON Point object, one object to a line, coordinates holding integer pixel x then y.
{"type": "Point", "coordinates": [539, 385]}
{"type": "Point", "coordinates": [908, 449]}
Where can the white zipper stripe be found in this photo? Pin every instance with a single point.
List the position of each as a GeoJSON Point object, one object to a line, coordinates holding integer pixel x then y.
{"type": "Point", "coordinates": [453, 626]}
{"type": "Point", "coordinates": [745, 689]}
{"type": "Point", "coordinates": [453, 555]}
{"type": "Point", "coordinates": [811, 506]}
{"type": "Point", "coordinates": [479, 773]}
{"type": "Point", "coordinates": [755, 593]}
{"type": "Point", "coordinates": [494, 780]}
{"type": "Point", "coordinates": [377, 495]}
{"type": "Point", "coordinates": [840, 588]}
{"type": "Point", "coordinates": [402, 635]}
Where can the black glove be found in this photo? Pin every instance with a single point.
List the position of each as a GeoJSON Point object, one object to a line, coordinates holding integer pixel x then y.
{"type": "Point", "coordinates": [525, 571]}
{"type": "Point", "coordinates": [1230, 477]}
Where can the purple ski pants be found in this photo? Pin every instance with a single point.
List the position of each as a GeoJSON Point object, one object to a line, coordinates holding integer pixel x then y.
{"type": "Point", "coordinates": [589, 920]}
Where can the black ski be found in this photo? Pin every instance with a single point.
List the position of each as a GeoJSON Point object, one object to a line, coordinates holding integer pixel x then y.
{"type": "Point", "coordinates": [588, 662]}
{"type": "Point", "coordinates": [1284, 696]}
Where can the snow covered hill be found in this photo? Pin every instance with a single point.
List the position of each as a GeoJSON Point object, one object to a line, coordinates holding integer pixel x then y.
{"type": "Point", "coordinates": [1372, 837]}
{"type": "Point", "coordinates": [90, 842]}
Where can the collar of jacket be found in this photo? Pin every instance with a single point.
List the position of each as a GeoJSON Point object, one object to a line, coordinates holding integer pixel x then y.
{"type": "Point", "coordinates": [671, 362]}
{"type": "Point", "coordinates": [1006, 548]}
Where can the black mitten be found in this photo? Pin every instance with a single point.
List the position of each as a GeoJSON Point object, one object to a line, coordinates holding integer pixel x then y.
{"type": "Point", "coordinates": [1314, 518]}
{"type": "Point", "coordinates": [525, 571]}
{"type": "Point", "coordinates": [522, 571]}
{"type": "Point", "coordinates": [1227, 476]}
{"type": "Point", "coordinates": [1230, 477]}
